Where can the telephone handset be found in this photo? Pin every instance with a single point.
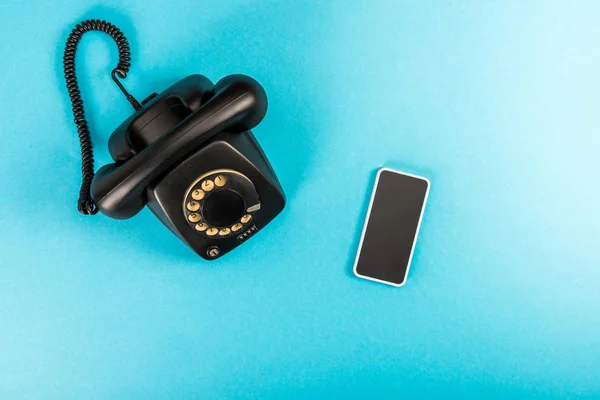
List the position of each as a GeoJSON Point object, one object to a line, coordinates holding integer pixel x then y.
{"type": "Point", "coordinates": [187, 153]}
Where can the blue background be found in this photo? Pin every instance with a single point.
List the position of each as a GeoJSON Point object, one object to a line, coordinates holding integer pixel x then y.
{"type": "Point", "coordinates": [497, 103]}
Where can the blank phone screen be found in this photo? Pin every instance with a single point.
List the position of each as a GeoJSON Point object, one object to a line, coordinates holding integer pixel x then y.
{"type": "Point", "coordinates": [391, 227]}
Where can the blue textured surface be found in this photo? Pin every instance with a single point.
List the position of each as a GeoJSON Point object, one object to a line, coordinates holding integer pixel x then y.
{"type": "Point", "coordinates": [497, 104]}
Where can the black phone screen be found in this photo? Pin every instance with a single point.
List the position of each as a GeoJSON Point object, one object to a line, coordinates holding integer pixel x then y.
{"type": "Point", "coordinates": [391, 227]}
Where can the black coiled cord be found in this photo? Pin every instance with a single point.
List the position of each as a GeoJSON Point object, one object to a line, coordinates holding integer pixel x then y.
{"type": "Point", "coordinates": [85, 204]}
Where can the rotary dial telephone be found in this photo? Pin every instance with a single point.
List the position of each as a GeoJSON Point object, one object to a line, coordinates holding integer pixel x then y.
{"type": "Point", "coordinates": [186, 153]}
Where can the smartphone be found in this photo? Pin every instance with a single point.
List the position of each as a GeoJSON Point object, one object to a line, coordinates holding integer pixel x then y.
{"type": "Point", "coordinates": [391, 227]}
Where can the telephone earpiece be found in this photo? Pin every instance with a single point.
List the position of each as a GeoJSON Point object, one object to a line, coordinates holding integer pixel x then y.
{"type": "Point", "coordinates": [187, 153]}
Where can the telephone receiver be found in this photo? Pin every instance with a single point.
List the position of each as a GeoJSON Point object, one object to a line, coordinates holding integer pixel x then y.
{"type": "Point", "coordinates": [187, 154]}
{"type": "Point", "coordinates": [237, 103]}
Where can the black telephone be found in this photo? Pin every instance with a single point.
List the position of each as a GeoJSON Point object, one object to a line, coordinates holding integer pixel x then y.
{"type": "Point", "coordinates": [187, 153]}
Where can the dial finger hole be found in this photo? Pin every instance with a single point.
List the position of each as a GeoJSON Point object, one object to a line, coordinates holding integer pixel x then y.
{"type": "Point", "coordinates": [193, 206]}
{"type": "Point", "coordinates": [194, 217]}
{"type": "Point", "coordinates": [198, 194]}
{"type": "Point", "coordinates": [236, 227]}
{"type": "Point", "coordinates": [207, 185]}
{"type": "Point", "coordinates": [220, 180]}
